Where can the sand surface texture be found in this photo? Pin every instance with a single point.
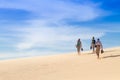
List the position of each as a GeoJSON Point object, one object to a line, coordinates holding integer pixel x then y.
{"type": "Point", "coordinates": [64, 67]}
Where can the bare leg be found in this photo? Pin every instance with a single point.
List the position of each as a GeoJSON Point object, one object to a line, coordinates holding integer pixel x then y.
{"type": "Point", "coordinates": [93, 49]}
{"type": "Point", "coordinates": [98, 51]}
{"type": "Point", "coordinates": [78, 50]}
{"type": "Point", "coordinates": [97, 55]}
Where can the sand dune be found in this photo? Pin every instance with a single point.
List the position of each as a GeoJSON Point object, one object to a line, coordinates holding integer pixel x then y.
{"type": "Point", "coordinates": [64, 67]}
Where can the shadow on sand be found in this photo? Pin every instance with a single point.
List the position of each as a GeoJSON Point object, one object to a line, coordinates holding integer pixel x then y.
{"type": "Point", "coordinates": [111, 56]}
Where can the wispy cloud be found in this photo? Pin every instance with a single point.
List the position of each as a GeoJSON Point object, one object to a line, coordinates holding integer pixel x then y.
{"type": "Point", "coordinates": [40, 34]}
{"type": "Point", "coordinates": [47, 29]}
{"type": "Point", "coordinates": [56, 10]}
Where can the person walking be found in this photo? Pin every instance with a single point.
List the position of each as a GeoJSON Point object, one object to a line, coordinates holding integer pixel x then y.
{"type": "Point", "coordinates": [93, 42]}
{"type": "Point", "coordinates": [79, 46]}
{"type": "Point", "coordinates": [99, 47]}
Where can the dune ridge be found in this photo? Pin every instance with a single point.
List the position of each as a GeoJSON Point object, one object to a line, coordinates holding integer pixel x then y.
{"type": "Point", "coordinates": [64, 67]}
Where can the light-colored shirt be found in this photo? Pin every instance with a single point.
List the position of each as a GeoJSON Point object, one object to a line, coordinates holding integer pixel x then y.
{"type": "Point", "coordinates": [99, 43]}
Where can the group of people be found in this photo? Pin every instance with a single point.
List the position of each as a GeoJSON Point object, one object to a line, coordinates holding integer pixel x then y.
{"type": "Point", "coordinates": [96, 46]}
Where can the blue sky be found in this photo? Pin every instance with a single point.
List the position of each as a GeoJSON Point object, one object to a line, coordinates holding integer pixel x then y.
{"type": "Point", "coordinates": [42, 27]}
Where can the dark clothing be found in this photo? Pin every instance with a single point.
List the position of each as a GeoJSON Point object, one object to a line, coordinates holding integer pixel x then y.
{"type": "Point", "coordinates": [93, 41]}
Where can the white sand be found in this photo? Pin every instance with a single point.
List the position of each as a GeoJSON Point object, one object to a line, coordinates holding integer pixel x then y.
{"type": "Point", "coordinates": [64, 67]}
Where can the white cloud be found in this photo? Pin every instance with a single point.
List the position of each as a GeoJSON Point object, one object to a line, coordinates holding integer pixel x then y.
{"type": "Point", "coordinates": [110, 27]}
{"type": "Point", "coordinates": [39, 34]}
{"type": "Point", "coordinates": [56, 10]}
{"type": "Point", "coordinates": [47, 32]}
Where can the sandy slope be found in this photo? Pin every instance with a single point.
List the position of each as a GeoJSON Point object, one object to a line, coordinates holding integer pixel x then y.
{"type": "Point", "coordinates": [64, 67]}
